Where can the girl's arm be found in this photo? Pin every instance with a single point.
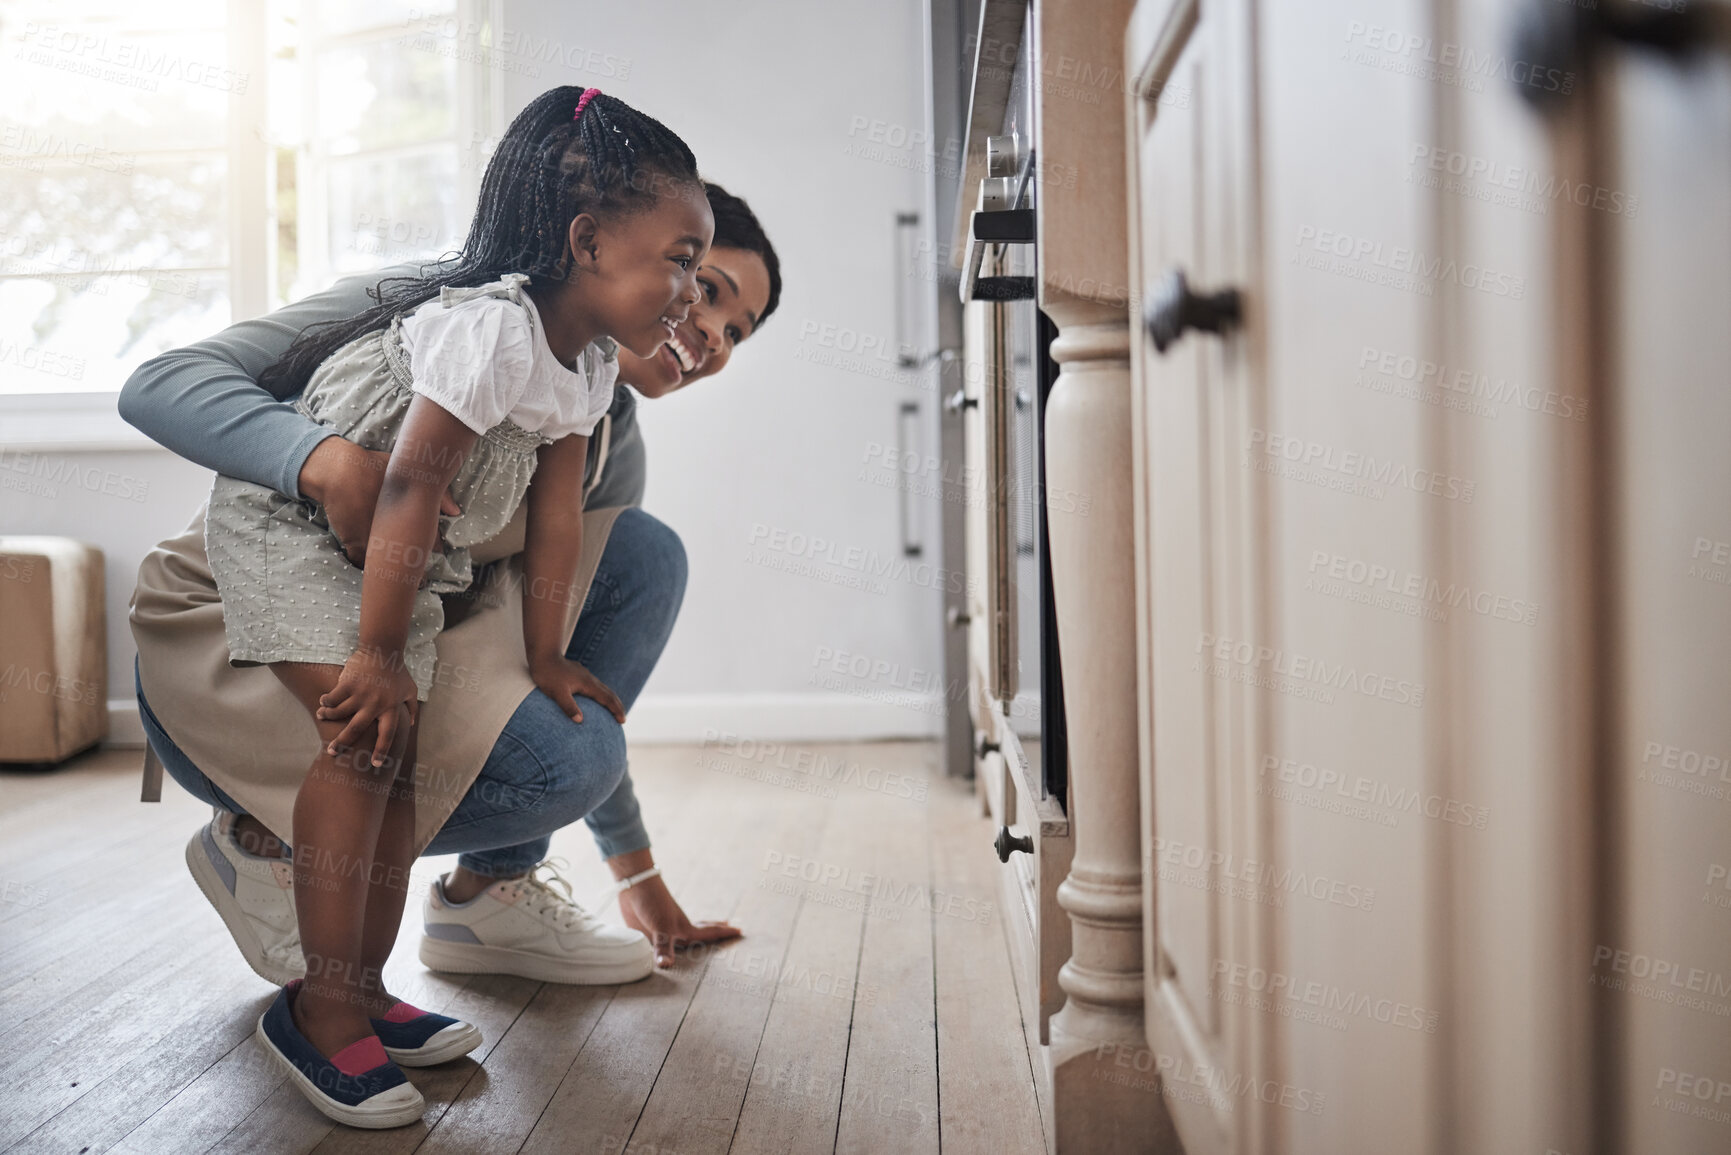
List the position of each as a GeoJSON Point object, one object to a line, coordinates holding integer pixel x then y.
{"type": "Point", "coordinates": [431, 447]}
{"type": "Point", "coordinates": [553, 540]}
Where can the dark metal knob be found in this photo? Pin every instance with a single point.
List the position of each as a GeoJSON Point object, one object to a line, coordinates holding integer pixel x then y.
{"type": "Point", "coordinates": [1008, 844]}
{"type": "Point", "coordinates": [983, 747]}
{"type": "Point", "coordinates": [1555, 42]}
{"type": "Point", "coordinates": [1173, 308]}
{"type": "Point", "coordinates": [956, 618]}
{"type": "Point", "coordinates": [959, 400]}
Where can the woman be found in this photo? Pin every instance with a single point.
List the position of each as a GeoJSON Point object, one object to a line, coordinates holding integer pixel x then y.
{"type": "Point", "coordinates": [503, 767]}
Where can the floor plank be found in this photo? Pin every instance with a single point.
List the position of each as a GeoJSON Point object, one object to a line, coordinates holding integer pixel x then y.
{"type": "Point", "coordinates": [890, 1092]}
{"type": "Point", "coordinates": [851, 1017]}
{"type": "Point", "coordinates": [44, 1072]}
{"type": "Point", "coordinates": [601, 1093]}
{"type": "Point", "coordinates": [793, 1099]}
{"type": "Point", "coordinates": [987, 1100]}
{"type": "Point", "coordinates": [697, 1095]}
{"type": "Point", "coordinates": [112, 1103]}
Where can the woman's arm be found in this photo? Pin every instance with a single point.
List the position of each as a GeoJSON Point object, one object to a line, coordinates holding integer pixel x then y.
{"type": "Point", "coordinates": [650, 908]}
{"type": "Point", "coordinates": [552, 542]}
{"type": "Point", "coordinates": [204, 401]}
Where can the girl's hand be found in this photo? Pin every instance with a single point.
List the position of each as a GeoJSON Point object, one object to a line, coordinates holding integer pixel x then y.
{"type": "Point", "coordinates": [560, 678]}
{"type": "Point", "coordinates": [370, 689]}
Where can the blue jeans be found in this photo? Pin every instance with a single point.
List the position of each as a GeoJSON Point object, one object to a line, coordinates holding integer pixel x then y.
{"type": "Point", "coordinates": [546, 771]}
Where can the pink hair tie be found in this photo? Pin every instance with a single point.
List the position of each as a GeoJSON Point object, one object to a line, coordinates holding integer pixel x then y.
{"type": "Point", "coordinates": [583, 101]}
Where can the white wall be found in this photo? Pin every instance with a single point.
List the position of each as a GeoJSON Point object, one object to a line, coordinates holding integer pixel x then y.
{"type": "Point", "coordinates": [767, 92]}
{"type": "Point", "coordinates": [123, 501]}
{"type": "Point", "coordinates": [770, 96]}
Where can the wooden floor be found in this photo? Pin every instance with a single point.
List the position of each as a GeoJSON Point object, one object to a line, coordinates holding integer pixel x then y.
{"type": "Point", "coordinates": [870, 1007]}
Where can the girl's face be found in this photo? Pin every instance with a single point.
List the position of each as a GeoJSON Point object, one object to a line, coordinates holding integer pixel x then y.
{"type": "Point", "coordinates": [734, 288]}
{"type": "Point", "coordinates": [637, 273]}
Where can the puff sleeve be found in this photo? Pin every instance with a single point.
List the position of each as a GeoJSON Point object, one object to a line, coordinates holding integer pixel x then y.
{"type": "Point", "coordinates": [473, 358]}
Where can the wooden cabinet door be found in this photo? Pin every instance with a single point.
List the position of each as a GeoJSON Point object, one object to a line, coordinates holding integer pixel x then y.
{"type": "Point", "coordinates": [1434, 582]}
{"type": "Point", "coordinates": [1284, 727]}
{"type": "Point", "coordinates": [1663, 966]}
{"type": "Point", "coordinates": [1189, 521]}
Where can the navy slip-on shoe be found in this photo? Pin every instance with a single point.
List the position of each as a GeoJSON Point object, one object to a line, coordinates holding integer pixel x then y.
{"type": "Point", "coordinates": [359, 1085]}
{"type": "Point", "coordinates": [417, 1038]}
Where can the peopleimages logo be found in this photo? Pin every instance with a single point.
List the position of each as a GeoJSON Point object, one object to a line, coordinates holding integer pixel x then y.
{"type": "Point", "coordinates": [1462, 386]}
{"type": "Point", "coordinates": [1301, 668]}
{"type": "Point", "coordinates": [1662, 980]}
{"type": "Point", "coordinates": [133, 63]}
{"type": "Point", "coordinates": [1376, 578]}
{"type": "Point", "coordinates": [795, 552]}
{"type": "Point", "coordinates": [1450, 62]}
{"type": "Point", "coordinates": [1328, 997]}
{"type": "Point", "coordinates": [1178, 1078]}
{"type": "Point", "coordinates": [1352, 470]}
{"type": "Point", "coordinates": [1495, 178]}
{"type": "Point", "coordinates": [1398, 266]}
{"type": "Point", "coordinates": [1172, 854]}
{"type": "Point", "coordinates": [1372, 793]}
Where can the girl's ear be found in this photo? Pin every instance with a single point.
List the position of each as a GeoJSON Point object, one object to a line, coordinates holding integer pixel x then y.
{"type": "Point", "coordinates": [583, 241]}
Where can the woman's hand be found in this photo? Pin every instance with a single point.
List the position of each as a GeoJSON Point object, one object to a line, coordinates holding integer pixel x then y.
{"type": "Point", "coordinates": [649, 907]}
{"type": "Point", "coordinates": [371, 688]}
{"type": "Point", "coordinates": [560, 679]}
{"type": "Point", "coordinates": [345, 479]}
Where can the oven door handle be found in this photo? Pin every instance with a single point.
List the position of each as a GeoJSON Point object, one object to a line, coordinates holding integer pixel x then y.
{"type": "Point", "coordinates": [997, 227]}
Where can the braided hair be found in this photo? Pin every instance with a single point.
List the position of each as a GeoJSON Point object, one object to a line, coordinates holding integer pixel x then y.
{"type": "Point", "coordinates": [552, 164]}
{"type": "Point", "coordinates": [737, 227]}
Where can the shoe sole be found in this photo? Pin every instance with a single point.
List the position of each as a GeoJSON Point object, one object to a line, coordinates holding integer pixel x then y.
{"type": "Point", "coordinates": [244, 938]}
{"type": "Point", "coordinates": [372, 1115]}
{"type": "Point", "coordinates": [469, 959]}
{"type": "Point", "coordinates": [448, 1044]}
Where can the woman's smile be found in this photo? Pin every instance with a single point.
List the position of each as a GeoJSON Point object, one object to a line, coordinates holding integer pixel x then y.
{"type": "Point", "coordinates": [735, 292]}
{"type": "Point", "coordinates": [685, 352]}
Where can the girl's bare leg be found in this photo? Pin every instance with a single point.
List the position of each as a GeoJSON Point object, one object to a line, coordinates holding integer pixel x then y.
{"type": "Point", "coordinates": [388, 888]}
{"type": "Point", "coordinates": [338, 817]}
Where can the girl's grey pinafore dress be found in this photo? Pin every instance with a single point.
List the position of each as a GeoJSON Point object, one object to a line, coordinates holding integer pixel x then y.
{"type": "Point", "coordinates": [289, 593]}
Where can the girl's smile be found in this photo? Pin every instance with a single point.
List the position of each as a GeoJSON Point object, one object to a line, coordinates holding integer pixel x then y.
{"type": "Point", "coordinates": [735, 290]}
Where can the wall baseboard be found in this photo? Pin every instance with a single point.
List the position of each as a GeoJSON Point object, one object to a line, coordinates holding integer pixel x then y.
{"type": "Point", "coordinates": [125, 731]}
{"type": "Point", "coordinates": [680, 719]}
{"type": "Point", "coordinates": [817, 717]}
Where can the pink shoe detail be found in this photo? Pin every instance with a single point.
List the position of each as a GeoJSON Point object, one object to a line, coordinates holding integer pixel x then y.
{"type": "Point", "coordinates": [403, 1013]}
{"type": "Point", "coordinates": [360, 1056]}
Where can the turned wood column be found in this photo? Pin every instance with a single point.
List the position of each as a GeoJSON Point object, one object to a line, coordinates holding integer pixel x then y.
{"type": "Point", "coordinates": [1101, 1101]}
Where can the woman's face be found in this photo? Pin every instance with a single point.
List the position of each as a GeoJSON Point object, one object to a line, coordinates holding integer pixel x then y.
{"type": "Point", "coordinates": [734, 288]}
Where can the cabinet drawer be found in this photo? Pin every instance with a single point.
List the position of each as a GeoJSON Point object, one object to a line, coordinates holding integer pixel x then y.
{"type": "Point", "coordinates": [1038, 929]}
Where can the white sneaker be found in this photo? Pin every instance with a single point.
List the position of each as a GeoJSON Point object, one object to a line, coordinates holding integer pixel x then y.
{"type": "Point", "coordinates": [524, 926]}
{"type": "Point", "coordinates": [254, 897]}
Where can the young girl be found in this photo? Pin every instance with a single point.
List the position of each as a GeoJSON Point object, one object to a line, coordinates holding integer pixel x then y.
{"type": "Point", "coordinates": [589, 229]}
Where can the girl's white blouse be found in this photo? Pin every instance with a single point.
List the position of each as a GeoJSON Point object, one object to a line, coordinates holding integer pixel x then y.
{"type": "Point", "coordinates": [485, 359]}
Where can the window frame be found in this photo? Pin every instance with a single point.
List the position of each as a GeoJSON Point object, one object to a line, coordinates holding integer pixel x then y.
{"type": "Point", "coordinates": [88, 420]}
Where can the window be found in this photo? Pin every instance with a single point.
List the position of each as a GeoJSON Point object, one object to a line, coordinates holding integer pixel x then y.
{"type": "Point", "coordinates": [167, 166]}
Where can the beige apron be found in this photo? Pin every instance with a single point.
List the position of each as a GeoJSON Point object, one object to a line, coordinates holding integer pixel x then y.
{"type": "Point", "coordinates": [252, 737]}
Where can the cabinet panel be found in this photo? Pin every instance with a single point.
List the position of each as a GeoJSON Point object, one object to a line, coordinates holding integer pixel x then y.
{"type": "Point", "coordinates": [1189, 516]}
{"type": "Point", "coordinates": [1352, 488]}
{"type": "Point", "coordinates": [1177, 412]}
{"type": "Point", "coordinates": [1670, 522]}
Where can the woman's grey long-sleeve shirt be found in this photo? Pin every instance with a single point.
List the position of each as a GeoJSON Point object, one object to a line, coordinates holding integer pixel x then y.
{"type": "Point", "coordinates": [204, 402]}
